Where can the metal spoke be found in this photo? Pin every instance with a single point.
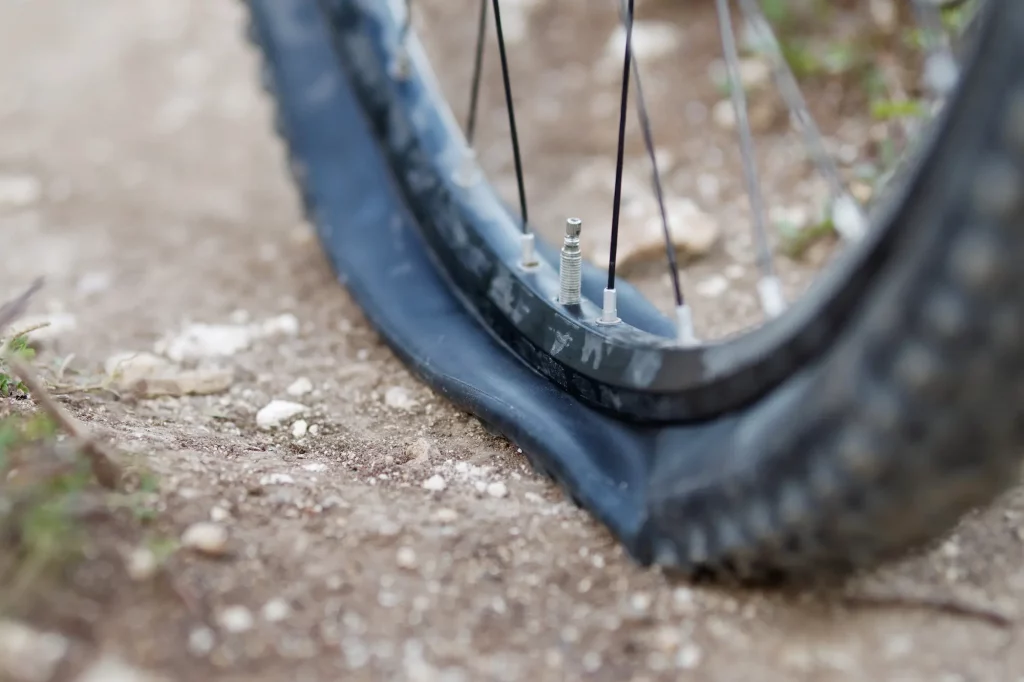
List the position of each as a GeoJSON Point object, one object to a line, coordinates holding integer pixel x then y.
{"type": "Point", "coordinates": [609, 315]}
{"type": "Point", "coordinates": [769, 288]}
{"type": "Point", "coordinates": [684, 318]}
{"type": "Point", "coordinates": [511, 116]}
{"type": "Point", "coordinates": [847, 216]}
{"type": "Point", "coordinates": [478, 63]}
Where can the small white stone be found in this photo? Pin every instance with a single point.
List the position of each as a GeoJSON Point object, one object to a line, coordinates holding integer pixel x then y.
{"type": "Point", "coordinates": [688, 657]}
{"type": "Point", "coordinates": [435, 483]}
{"type": "Point", "coordinates": [275, 610]}
{"type": "Point", "coordinates": [640, 602]}
{"type": "Point", "coordinates": [713, 286]}
{"type": "Point", "coordinates": [27, 655]}
{"type": "Point", "coordinates": [398, 398]}
{"type": "Point", "coordinates": [277, 411]}
{"type": "Point", "coordinates": [19, 191]}
{"type": "Point", "coordinates": [299, 428]}
{"type": "Point", "coordinates": [406, 558]}
{"type": "Point", "coordinates": [300, 387]}
{"type": "Point", "coordinates": [446, 515]}
{"type": "Point", "coordinates": [206, 537]}
{"type": "Point", "coordinates": [93, 283]}
{"type": "Point", "coordinates": [755, 73]}
{"type": "Point", "coordinates": [111, 669]}
{"type": "Point", "coordinates": [497, 489]}
{"type": "Point", "coordinates": [694, 233]}
{"type": "Point", "coordinates": [724, 115]}
{"type": "Point", "coordinates": [314, 466]}
{"type": "Point", "coordinates": [287, 325]}
{"type": "Point", "coordinates": [651, 40]}
{"type": "Point", "coordinates": [236, 619]}
{"type": "Point", "coordinates": [198, 341]}
{"type": "Point", "coordinates": [219, 514]}
{"type": "Point", "coordinates": [277, 479]}
{"type": "Point", "coordinates": [314, 429]}
{"type": "Point", "coordinates": [141, 564]}
{"type": "Point", "coordinates": [201, 641]}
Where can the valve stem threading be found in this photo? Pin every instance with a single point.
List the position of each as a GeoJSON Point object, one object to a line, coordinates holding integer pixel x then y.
{"type": "Point", "coordinates": [569, 273]}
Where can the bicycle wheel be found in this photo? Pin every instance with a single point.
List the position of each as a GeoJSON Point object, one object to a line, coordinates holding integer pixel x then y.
{"type": "Point", "coordinates": [862, 421]}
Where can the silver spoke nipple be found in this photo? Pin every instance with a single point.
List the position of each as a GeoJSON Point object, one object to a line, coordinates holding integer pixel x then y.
{"type": "Point", "coordinates": [773, 301]}
{"type": "Point", "coordinates": [528, 251]}
{"type": "Point", "coordinates": [686, 335]}
{"type": "Point", "coordinates": [468, 173]}
{"type": "Point", "coordinates": [610, 309]}
{"type": "Point", "coordinates": [569, 272]}
{"type": "Point", "coordinates": [401, 66]}
{"type": "Point", "coordinates": [848, 218]}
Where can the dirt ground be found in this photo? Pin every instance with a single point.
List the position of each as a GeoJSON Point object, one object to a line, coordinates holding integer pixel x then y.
{"type": "Point", "coordinates": [163, 201]}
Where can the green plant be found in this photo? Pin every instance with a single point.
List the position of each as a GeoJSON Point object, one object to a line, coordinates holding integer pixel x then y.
{"type": "Point", "coordinates": [10, 384]}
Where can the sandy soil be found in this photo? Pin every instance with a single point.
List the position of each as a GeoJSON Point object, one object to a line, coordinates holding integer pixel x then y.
{"type": "Point", "coordinates": [164, 201]}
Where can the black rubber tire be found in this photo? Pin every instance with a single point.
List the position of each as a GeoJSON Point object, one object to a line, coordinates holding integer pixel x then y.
{"type": "Point", "coordinates": [912, 416]}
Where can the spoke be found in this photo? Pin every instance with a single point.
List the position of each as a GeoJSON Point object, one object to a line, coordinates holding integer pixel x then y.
{"type": "Point", "coordinates": [769, 288]}
{"type": "Point", "coordinates": [620, 158]}
{"type": "Point", "coordinates": [478, 63]}
{"type": "Point", "coordinates": [684, 318]}
{"type": "Point", "coordinates": [847, 216]}
{"type": "Point", "coordinates": [511, 115]}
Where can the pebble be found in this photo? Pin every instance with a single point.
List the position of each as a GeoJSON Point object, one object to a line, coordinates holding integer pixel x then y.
{"type": "Point", "coordinates": [219, 514]}
{"type": "Point", "coordinates": [300, 387]}
{"type": "Point", "coordinates": [141, 564]}
{"type": "Point", "coordinates": [314, 429]}
{"type": "Point", "coordinates": [27, 655]}
{"type": "Point", "coordinates": [713, 286]}
{"type": "Point", "coordinates": [236, 619]}
{"type": "Point", "coordinates": [688, 657]}
{"type": "Point", "coordinates": [275, 610]}
{"type": "Point", "coordinates": [406, 558]}
{"type": "Point", "coordinates": [93, 283]}
{"type": "Point", "coordinates": [277, 411]}
{"type": "Point", "coordinates": [419, 451]}
{"type": "Point", "coordinates": [19, 191]}
{"type": "Point", "coordinates": [206, 537]}
{"type": "Point", "coordinates": [694, 232]}
{"type": "Point", "coordinates": [435, 483]}
{"type": "Point", "coordinates": [201, 641]}
{"type": "Point", "coordinates": [651, 40]}
{"type": "Point", "coordinates": [755, 73]}
{"type": "Point", "coordinates": [197, 341]}
{"type": "Point", "coordinates": [200, 340]}
{"type": "Point", "coordinates": [497, 489]}
{"type": "Point", "coordinates": [277, 479]}
{"type": "Point", "coordinates": [398, 398]}
{"type": "Point", "coordinates": [300, 428]}
{"type": "Point", "coordinates": [446, 515]}
{"type": "Point", "coordinates": [111, 669]}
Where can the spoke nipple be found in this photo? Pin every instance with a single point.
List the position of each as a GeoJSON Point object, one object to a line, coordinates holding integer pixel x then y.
{"type": "Point", "coordinates": [569, 272]}
{"type": "Point", "coordinates": [773, 301]}
{"type": "Point", "coordinates": [686, 335]}
{"type": "Point", "coordinates": [849, 219]}
{"type": "Point", "coordinates": [528, 252]}
{"type": "Point", "coordinates": [610, 309]}
{"type": "Point", "coordinates": [401, 66]}
{"type": "Point", "coordinates": [467, 174]}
